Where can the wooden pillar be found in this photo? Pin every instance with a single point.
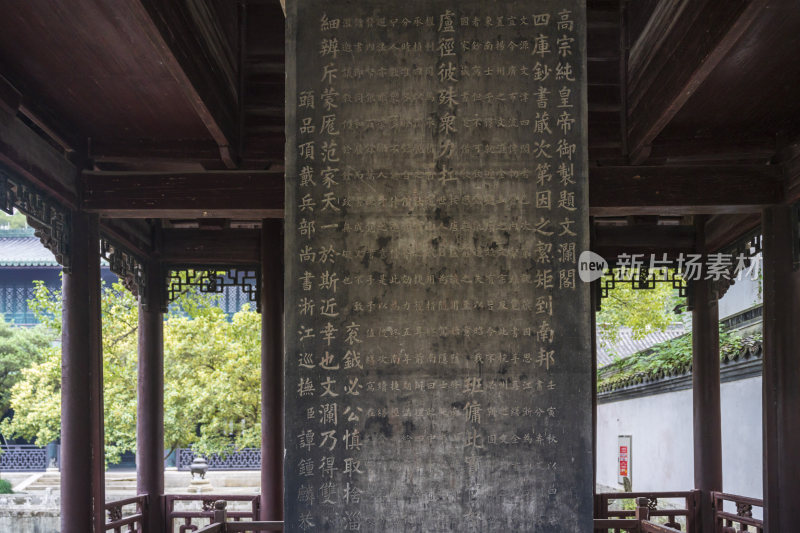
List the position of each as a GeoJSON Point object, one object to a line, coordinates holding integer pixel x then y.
{"type": "Point", "coordinates": [706, 391]}
{"type": "Point", "coordinates": [642, 509]}
{"type": "Point", "coordinates": [595, 292]}
{"type": "Point", "coordinates": [271, 370]}
{"type": "Point", "coordinates": [150, 398]}
{"type": "Point", "coordinates": [82, 446]}
{"type": "Point", "coordinates": [781, 377]}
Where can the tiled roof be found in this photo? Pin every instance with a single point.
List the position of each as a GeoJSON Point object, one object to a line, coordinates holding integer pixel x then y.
{"type": "Point", "coordinates": [24, 252]}
{"type": "Point", "coordinates": [16, 232]}
{"type": "Point", "coordinates": [628, 346]}
{"type": "Point", "coordinates": [751, 348]}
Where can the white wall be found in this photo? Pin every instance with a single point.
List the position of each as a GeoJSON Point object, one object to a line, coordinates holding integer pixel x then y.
{"type": "Point", "coordinates": [741, 437]}
{"type": "Point", "coordinates": [742, 295]}
{"type": "Point", "coordinates": [662, 446]}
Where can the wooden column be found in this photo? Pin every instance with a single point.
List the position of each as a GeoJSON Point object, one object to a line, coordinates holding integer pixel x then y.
{"type": "Point", "coordinates": [271, 370]}
{"type": "Point", "coordinates": [595, 291]}
{"type": "Point", "coordinates": [781, 377]}
{"type": "Point", "coordinates": [150, 398]}
{"type": "Point", "coordinates": [706, 391]}
{"type": "Point", "coordinates": [82, 446]}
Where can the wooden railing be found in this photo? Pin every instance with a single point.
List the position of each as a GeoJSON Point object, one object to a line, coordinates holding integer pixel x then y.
{"type": "Point", "coordinates": [616, 525]}
{"type": "Point", "coordinates": [689, 511]}
{"type": "Point", "coordinates": [650, 527]}
{"type": "Point", "coordinates": [220, 524]}
{"type": "Point", "coordinates": [620, 525]}
{"type": "Point", "coordinates": [120, 521]}
{"type": "Point", "coordinates": [214, 508]}
{"type": "Point", "coordinates": [742, 521]}
{"type": "Point", "coordinates": [640, 523]}
{"type": "Point", "coordinates": [188, 520]}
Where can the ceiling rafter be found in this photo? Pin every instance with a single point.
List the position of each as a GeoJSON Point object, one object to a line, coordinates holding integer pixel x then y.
{"type": "Point", "coordinates": [699, 34]}
{"type": "Point", "coordinates": [168, 27]}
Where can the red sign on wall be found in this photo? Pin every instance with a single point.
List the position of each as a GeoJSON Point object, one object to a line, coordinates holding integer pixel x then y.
{"type": "Point", "coordinates": [623, 457]}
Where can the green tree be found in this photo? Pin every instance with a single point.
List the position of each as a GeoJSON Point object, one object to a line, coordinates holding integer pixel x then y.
{"type": "Point", "coordinates": [36, 400]}
{"type": "Point", "coordinates": [644, 311]}
{"type": "Point", "coordinates": [211, 376]}
{"type": "Point", "coordinates": [19, 349]}
{"type": "Point", "coordinates": [212, 380]}
{"type": "Point", "coordinates": [15, 221]}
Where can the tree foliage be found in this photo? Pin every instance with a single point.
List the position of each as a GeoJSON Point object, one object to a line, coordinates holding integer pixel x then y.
{"type": "Point", "coordinates": [15, 221]}
{"type": "Point", "coordinates": [19, 349]}
{"type": "Point", "coordinates": [211, 376]}
{"type": "Point", "coordinates": [213, 380]}
{"type": "Point", "coordinates": [668, 358]}
{"type": "Point", "coordinates": [643, 311]}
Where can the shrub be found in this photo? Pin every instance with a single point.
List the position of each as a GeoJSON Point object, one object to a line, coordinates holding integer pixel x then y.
{"type": "Point", "coordinates": [5, 487]}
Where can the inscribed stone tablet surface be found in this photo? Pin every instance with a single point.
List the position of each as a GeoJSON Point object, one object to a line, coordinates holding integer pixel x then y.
{"type": "Point", "coordinates": [437, 335]}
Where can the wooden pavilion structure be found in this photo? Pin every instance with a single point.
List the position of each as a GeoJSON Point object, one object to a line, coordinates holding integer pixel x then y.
{"type": "Point", "coordinates": [153, 133]}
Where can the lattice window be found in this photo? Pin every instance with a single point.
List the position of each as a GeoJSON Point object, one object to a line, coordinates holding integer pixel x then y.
{"type": "Point", "coordinates": [23, 458]}
{"type": "Point", "coordinates": [14, 304]}
{"type": "Point", "coordinates": [217, 281]}
{"type": "Point", "coordinates": [245, 459]}
{"type": "Point", "coordinates": [643, 279]}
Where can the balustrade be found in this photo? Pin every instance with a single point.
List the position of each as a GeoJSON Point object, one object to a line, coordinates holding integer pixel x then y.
{"type": "Point", "coordinates": [23, 458]}
{"type": "Point", "coordinates": [122, 520]}
{"type": "Point", "coordinates": [688, 512]}
{"type": "Point", "coordinates": [742, 521]}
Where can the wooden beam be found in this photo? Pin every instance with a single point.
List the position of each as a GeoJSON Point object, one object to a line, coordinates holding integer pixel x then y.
{"type": "Point", "coordinates": [30, 156]}
{"type": "Point", "coordinates": [611, 241]}
{"type": "Point", "coordinates": [10, 97]}
{"type": "Point", "coordinates": [614, 191]}
{"type": "Point", "coordinates": [212, 194]}
{"type": "Point", "coordinates": [178, 37]}
{"type": "Point", "coordinates": [13, 102]}
{"type": "Point", "coordinates": [718, 149]}
{"type": "Point", "coordinates": [195, 151]}
{"type": "Point", "coordinates": [681, 46]}
{"type": "Point", "coordinates": [209, 247]}
{"type": "Point", "coordinates": [629, 190]}
{"type": "Point", "coordinates": [790, 163]}
{"type": "Point", "coordinates": [121, 232]}
{"type": "Point", "coordinates": [722, 230]}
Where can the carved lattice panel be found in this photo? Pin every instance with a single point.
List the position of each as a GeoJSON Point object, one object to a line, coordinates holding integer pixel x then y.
{"type": "Point", "coordinates": [23, 458]}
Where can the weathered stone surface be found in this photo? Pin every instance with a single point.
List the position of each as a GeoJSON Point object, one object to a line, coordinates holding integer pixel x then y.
{"type": "Point", "coordinates": [436, 170]}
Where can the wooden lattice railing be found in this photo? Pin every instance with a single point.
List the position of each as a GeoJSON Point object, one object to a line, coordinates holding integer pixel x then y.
{"type": "Point", "coordinates": [689, 511]}
{"type": "Point", "coordinates": [183, 520]}
{"type": "Point", "coordinates": [616, 525]}
{"type": "Point", "coordinates": [122, 519]}
{"type": "Point", "coordinates": [640, 523]}
{"type": "Point", "coordinates": [742, 521]}
{"type": "Point", "coordinates": [219, 523]}
{"type": "Point", "coordinates": [125, 516]}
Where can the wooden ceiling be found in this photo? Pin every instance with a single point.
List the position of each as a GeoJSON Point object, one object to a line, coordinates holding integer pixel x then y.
{"type": "Point", "coordinates": [753, 94]}
{"type": "Point", "coordinates": [691, 102]}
